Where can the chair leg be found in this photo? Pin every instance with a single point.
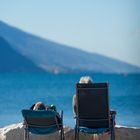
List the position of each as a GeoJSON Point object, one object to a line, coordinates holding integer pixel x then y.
{"type": "Point", "coordinates": [112, 130]}
{"type": "Point", "coordinates": [112, 134]}
{"type": "Point", "coordinates": [112, 126]}
{"type": "Point", "coordinates": [62, 137]}
{"type": "Point", "coordinates": [75, 132]}
{"type": "Point", "coordinates": [26, 134]}
{"type": "Point", "coordinates": [63, 134]}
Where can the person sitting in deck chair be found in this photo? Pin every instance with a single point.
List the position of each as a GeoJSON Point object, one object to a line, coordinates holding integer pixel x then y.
{"type": "Point", "coordinates": [87, 80]}
{"type": "Point", "coordinates": [42, 106]}
{"type": "Point", "coordinates": [84, 80]}
{"type": "Point", "coordinates": [39, 106]}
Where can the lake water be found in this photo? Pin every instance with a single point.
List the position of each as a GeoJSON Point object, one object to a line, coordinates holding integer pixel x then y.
{"type": "Point", "coordinates": [20, 90]}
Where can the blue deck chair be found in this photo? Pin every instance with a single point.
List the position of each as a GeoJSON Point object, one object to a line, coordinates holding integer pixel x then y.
{"type": "Point", "coordinates": [93, 113]}
{"type": "Point", "coordinates": [42, 122]}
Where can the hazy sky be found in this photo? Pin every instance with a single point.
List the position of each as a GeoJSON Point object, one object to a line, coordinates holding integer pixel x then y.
{"type": "Point", "coordinates": [109, 27]}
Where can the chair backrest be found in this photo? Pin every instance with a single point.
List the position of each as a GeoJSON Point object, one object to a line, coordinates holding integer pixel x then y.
{"type": "Point", "coordinates": [93, 105]}
{"type": "Point", "coordinates": [40, 118]}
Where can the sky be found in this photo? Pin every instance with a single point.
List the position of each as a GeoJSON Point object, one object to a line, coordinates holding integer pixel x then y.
{"type": "Point", "coordinates": [108, 27]}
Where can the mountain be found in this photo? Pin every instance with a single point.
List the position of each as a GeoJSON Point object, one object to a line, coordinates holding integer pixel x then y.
{"type": "Point", "coordinates": [10, 60]}
{"type": "Point", "coordinates": [55, 57]}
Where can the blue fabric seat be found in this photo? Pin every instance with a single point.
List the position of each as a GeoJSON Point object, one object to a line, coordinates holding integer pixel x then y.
{"type": "Point", "coordinates": [43, 131]}
{"type": "Point", "coordinates": [93, 130]}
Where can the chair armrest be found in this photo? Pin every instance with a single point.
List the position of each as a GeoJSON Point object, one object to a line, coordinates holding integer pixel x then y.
{"type": "Point", "coordinates": [61, 114]}
{"type": "Point", "coordinates": [60, 119]}
{"type": "Point", "coordinates": [112, 112]}
{"type": "Point", "coordinates": [75, 117]}
{"type": "Point", "coordinates": [112, 117]}
{"type": "Point", "coordinates": [24, 122]}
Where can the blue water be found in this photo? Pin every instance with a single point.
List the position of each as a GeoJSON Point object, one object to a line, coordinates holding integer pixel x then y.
{"type": "Point", "coordinates": [20, 90]}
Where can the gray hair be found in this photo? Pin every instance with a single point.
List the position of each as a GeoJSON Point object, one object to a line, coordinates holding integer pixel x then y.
{"type": "Point", "coordinates": [85, 80]}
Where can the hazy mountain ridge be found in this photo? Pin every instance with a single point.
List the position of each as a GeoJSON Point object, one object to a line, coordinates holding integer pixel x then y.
{"type": "Point", "coordinates": [11, 61]}
{"type": "Point", "coordinates": [56, 57]}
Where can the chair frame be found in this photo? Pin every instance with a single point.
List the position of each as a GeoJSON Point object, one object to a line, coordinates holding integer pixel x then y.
{"type": "Point", "coordinates": [58, 125]}
{"type": "Point", "coordinates": [111, 117]}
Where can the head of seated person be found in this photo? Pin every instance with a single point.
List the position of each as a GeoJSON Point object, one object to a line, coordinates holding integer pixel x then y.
{"type": "Point", "coordinates": [86, 80]}
{"type": "Point", "coordinates": [39, 106]}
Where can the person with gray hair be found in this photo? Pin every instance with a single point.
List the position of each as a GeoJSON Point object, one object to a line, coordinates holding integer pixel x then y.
{"type": "Point", "coordinates": [83, 80]}
{"type": "Point", "coordinates": [87, 80]}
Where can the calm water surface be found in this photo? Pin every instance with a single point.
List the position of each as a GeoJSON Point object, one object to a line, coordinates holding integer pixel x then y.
{"type": "Point", "coordinates": [20, 90]}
